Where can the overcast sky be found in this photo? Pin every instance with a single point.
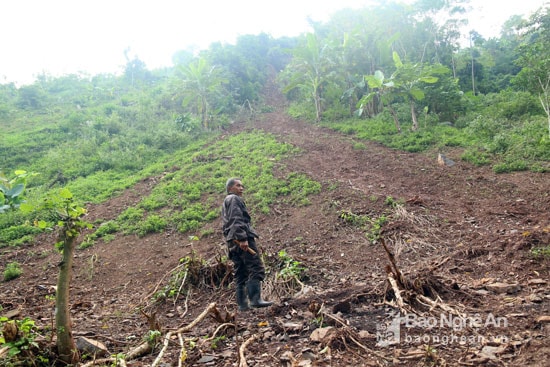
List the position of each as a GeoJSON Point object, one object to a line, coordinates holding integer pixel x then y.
{"type": "Point", "coordinates": [68, 36]}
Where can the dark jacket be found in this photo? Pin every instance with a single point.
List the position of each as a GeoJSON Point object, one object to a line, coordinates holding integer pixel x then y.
{"type": "Point", "coordinates": [236, 220]}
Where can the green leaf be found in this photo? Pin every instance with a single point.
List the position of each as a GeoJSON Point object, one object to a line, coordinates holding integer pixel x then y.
{"type": "Point", "coordinates": [417, 94]}
{"type": "Point", "coordinates": [26, 208]}
{"type": "Point", "coordinates": [15, 191]}
{"type": "Point", "coordinates": [65, 193]}
{"type": "Point", "coordinates": [429, 79]}
{"type": "Point", "coordinates": [397, 60]}
{"type": "Point", "coordinates": [376, 80]}
{"type": "Point", "coordinates": [42, 224]}
{"type": "Point", "coordinates": [20, 172]}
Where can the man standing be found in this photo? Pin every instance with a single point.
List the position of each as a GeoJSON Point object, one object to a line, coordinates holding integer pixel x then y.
{"type": "Point", "coordinates": [241, 241]}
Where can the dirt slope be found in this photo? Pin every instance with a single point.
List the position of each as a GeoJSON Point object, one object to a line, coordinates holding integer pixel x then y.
{"type": "Point", "coordinates": [462, 238]}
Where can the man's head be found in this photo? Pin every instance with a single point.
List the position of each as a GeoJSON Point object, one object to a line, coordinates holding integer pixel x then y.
{"type": "Point", "coordinates": [234, 186]}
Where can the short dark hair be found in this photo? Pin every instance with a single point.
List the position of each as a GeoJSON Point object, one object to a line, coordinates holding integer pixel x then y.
{"type": "Point", "coordinates": [230, 183]}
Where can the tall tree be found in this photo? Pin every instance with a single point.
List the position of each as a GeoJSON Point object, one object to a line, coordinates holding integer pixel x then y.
{"type": "Point", "coordinates": [310, 69]}
{"type": "Point", "coordinates": [534, 58]}
{"type": "Point", "coordinates": [201, 85]}
{"type": "Point", "coordinates": [406, 82]}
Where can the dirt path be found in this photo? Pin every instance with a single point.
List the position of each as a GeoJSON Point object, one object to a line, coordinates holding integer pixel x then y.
{"type": "Point", "coordinates": [460, 229]}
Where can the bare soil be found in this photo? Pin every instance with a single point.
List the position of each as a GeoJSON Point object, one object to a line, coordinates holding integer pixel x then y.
{"type": "Point", "coordinates": [460, 232]}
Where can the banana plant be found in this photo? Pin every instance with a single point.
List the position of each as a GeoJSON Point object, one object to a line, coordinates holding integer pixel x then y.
{"type": "Point", "coordinates": [406, 82]}
{"type": "Point", "coordinates": [201, 84]}
{"type": "Point", "coordinates": [310, 69]}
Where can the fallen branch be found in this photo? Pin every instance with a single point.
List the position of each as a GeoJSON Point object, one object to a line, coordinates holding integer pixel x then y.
{"type": "Point", "coordinates": [242, 360]}
{"type": "Point", "coordinates": [218, 329]}
{"type": "Point", "coordinates": [368, 350]}
{"type": "Point", "coordinates": [146, 347]}
{"type": "Point", "coordinates": [185, 304]}
{"type": "Point", "coordinates": [179, 289]}
{"type": "Point", "coordinates": [4, 351]}
{"type": "Point", "coordinates": [433, 304]}
{"type": "Point", "coordinates": [182, 330]}
{"type": "Point", "coordinates": [183, 351]}
{"type": "Point", "coordinates": [140, 350]}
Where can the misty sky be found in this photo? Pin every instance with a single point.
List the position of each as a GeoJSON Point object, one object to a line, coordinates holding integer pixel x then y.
{"type": "Point", "coordinates": [68, 36]}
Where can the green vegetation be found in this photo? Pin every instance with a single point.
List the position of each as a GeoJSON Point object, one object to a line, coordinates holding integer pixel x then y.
{"type": "Point", "coordinates": [99, 136]}
{"type": "Point", "coordinates": [92, 138]}
{"type": "Point", "coordinates": [290, 268]}
{"type": "Point", "coordinates": [19, 337]}
{"type": "Point", "coordinates": [485, 140]}
{"type": "Point", "coordinates": [541, 252]}
{"type": "Point", "coordinates": [12, 271]}
{"type": "Point", "coordinates": [370, 225]}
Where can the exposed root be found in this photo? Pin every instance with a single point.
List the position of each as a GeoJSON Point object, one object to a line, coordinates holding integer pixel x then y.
{"type": "Point", "coordinates": [242, 359]}
{"type": "Point", "coordinates": [343, 335]}
{"type": "Point", "coordinates": [421, 291]}
{"type": "Point", "coordinates": [193, 272]}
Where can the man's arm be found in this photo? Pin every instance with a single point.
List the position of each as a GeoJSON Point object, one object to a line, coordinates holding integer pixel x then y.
{"type": "Point", "coordinates": [234, 220]}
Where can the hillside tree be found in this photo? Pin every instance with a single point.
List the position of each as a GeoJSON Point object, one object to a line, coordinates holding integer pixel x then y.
{"type": "Point", "coordinates": [310, 69]}
{"type": "Point", "coordinates": [65, 215]}
{"type": "Point", "coordinates": [534, 58]}
{"type": "Point", "coordinates": [406, 82]}
{"type": "Point", "coordinates": [201, 86]}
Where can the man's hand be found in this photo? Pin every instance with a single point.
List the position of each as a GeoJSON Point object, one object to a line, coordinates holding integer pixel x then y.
{"type": "Point", "coordinates": [244, 245]}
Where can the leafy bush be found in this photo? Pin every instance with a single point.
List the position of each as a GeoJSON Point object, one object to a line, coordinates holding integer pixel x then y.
{"type": "Point", "coordinates": [510, 104]}
{"type": "Point", "coordinates": [541, 251]}
{"type": "Point", "coordinates": [152, 224]}
{"type": "Point", "coordinates": [476, 157]}
{"type": "Point", "coordinates": [17, 234]}
{"type": "Point", "coordinates": [289, 268]}
{"type": "Point", "coordinates": [105, 229]}
{"type": "Point", "coordinates": [12, 271]}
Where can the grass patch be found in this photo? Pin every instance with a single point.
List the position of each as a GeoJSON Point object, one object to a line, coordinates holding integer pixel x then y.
{"type": "Point", "coordinates": [507, 144]}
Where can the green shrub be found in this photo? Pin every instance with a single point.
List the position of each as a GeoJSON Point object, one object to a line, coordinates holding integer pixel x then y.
{"type": "Point", "coordinates": [290, 268]}
{"type": "Point", "coordinates": [359, 146]}
{"type": "Point", "coordinates": [152, 224]}
{"type": "Point", "coordinates": [476, 157]}
{"type": "Point", "coordinates": [510, 104]}
{"type": "Point", "coordinates": [18, 234]}
{"type": "Point", "coordinates": [301, 186]}
{"type": "Point", "coordinates": [106, 228]}
{"type": "Point", "coordinates": [541, 251]}
{"type": "Point", "coordinates": [12, 271]}
{"type": "Point", "coordinates": [513, 166]}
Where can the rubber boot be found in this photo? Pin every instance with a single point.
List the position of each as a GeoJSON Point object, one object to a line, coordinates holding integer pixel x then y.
{"type": "Point", "coordinates": [242, 300]}
{"type": "Point", "coordinates": [254, 294]}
